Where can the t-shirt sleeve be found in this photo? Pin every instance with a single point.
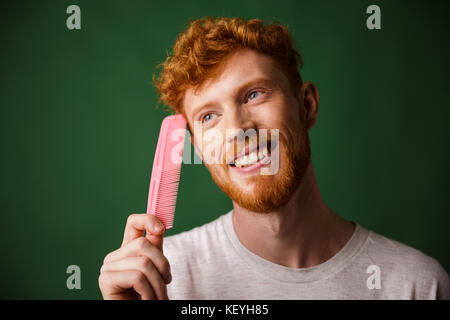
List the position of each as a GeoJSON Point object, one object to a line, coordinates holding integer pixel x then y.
{"type": "Point", "coordinates": [442, 283]}
{"type": "Point", "coordinates": [432, 282]}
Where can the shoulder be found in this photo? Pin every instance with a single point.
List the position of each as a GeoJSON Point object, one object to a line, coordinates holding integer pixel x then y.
{"type": "Point", "coordinates": [406, 266]}
{"type": "Point", "coordinates": [411, 259]}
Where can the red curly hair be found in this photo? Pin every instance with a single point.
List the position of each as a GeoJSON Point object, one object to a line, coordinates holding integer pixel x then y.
{"type": "Point", "coordinates": [200, 49]}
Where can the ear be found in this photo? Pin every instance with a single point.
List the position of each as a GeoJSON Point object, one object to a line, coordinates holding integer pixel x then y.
{"type": "Point", "coordinates": [309, 98]}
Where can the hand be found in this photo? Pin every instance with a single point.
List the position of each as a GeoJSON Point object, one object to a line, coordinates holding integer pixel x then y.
{"type": "Point", "coordinates": [138, 269]}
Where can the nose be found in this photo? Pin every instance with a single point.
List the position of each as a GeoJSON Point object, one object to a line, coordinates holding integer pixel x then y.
{"type": "Point", "coordinates": [237, 121]}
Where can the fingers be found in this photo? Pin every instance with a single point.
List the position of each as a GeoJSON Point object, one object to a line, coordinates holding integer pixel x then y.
{"type": "Point", "coordinates": [116, 285]}
{"type": "Point", "coordinates": [143, 248]}
{"type": "Point", "coordinates": [145, 267]}
{"type": "Point", "coordinates": [138, 269]}
{"type": "Point", "coordinates": [137, 224]}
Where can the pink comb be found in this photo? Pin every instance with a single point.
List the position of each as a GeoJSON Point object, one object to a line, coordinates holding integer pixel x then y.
{"type": "Point", "coordinates": [166, 169]}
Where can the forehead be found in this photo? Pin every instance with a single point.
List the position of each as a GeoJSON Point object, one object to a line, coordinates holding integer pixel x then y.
{"type": "Point", "coordinates": [239, 68]}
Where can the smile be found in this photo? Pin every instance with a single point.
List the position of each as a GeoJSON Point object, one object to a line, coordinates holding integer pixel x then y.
{"type": "Point", "coordinates": [249, 161]}
{"type": "Point", "coordinates": [252, 158]}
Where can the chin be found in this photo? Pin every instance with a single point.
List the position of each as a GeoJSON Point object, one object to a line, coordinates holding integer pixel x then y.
{"type": "Point", "coordinates": [258, 193]}
{"type": "Point", "coordinates": [265, 193]}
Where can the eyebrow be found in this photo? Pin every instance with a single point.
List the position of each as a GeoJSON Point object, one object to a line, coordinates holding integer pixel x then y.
{"type": "Point", "coordinates": [237, 91]}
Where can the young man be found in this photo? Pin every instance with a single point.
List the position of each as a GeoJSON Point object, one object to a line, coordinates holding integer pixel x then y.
{"type": "Point", "coordinates": [280, 241]}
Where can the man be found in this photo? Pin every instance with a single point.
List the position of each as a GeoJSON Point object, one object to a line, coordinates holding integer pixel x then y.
{"type": "Point", "coordinates": [280, 241]}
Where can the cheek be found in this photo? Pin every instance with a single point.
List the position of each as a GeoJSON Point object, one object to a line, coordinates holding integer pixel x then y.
{"type": "Point", "coordinates": [211, 148]}
{"type": "Point", "coordinates": [291, 121]}
{"type": "Point", "coordinates": [280, 113]}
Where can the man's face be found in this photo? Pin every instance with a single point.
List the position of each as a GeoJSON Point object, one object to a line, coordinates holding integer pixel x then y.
{"type": "Point", "coordinates": [251, 92]}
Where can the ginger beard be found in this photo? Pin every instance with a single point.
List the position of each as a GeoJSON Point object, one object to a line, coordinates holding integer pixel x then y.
{"type": "Point", "coordinates": [265, 193]}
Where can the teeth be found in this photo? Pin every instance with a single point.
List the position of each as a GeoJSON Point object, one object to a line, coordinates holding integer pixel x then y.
{"type": "Point", "coordinates": [250, 159]}
{"type": "Point", "coordinates": [264, 151]}
{"type": "Point", "coordinates": [253, 157]}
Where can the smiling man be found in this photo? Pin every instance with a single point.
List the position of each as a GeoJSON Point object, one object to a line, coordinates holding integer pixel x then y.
{"type": "Point", "coordinates": [280, 241]}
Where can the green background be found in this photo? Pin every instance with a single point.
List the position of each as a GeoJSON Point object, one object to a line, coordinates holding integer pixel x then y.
{"type": "Point", "coordinates": [79, 126]}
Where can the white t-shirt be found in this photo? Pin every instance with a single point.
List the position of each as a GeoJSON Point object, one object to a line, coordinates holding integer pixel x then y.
{"type": "Point", "coordinates": [209, 262]}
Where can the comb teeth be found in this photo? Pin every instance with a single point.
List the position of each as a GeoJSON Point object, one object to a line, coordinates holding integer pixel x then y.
{"type": "Point", "coordinates": [167, 196]}
{"type": "Point", "coordinates": [163, 188]}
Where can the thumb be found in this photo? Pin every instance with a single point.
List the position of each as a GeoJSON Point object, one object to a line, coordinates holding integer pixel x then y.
{"type": "Point", "coordinates": [156, 239]}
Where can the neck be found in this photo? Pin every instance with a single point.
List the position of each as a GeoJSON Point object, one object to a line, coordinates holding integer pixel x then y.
{"type": "Point", "coordinates": [303, 233]}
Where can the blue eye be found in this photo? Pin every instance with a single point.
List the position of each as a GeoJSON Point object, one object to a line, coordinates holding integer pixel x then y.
{"type": "Point", "coordinates": [253, 95]}
{"type": "Point", "coordinates": [207, 117]}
